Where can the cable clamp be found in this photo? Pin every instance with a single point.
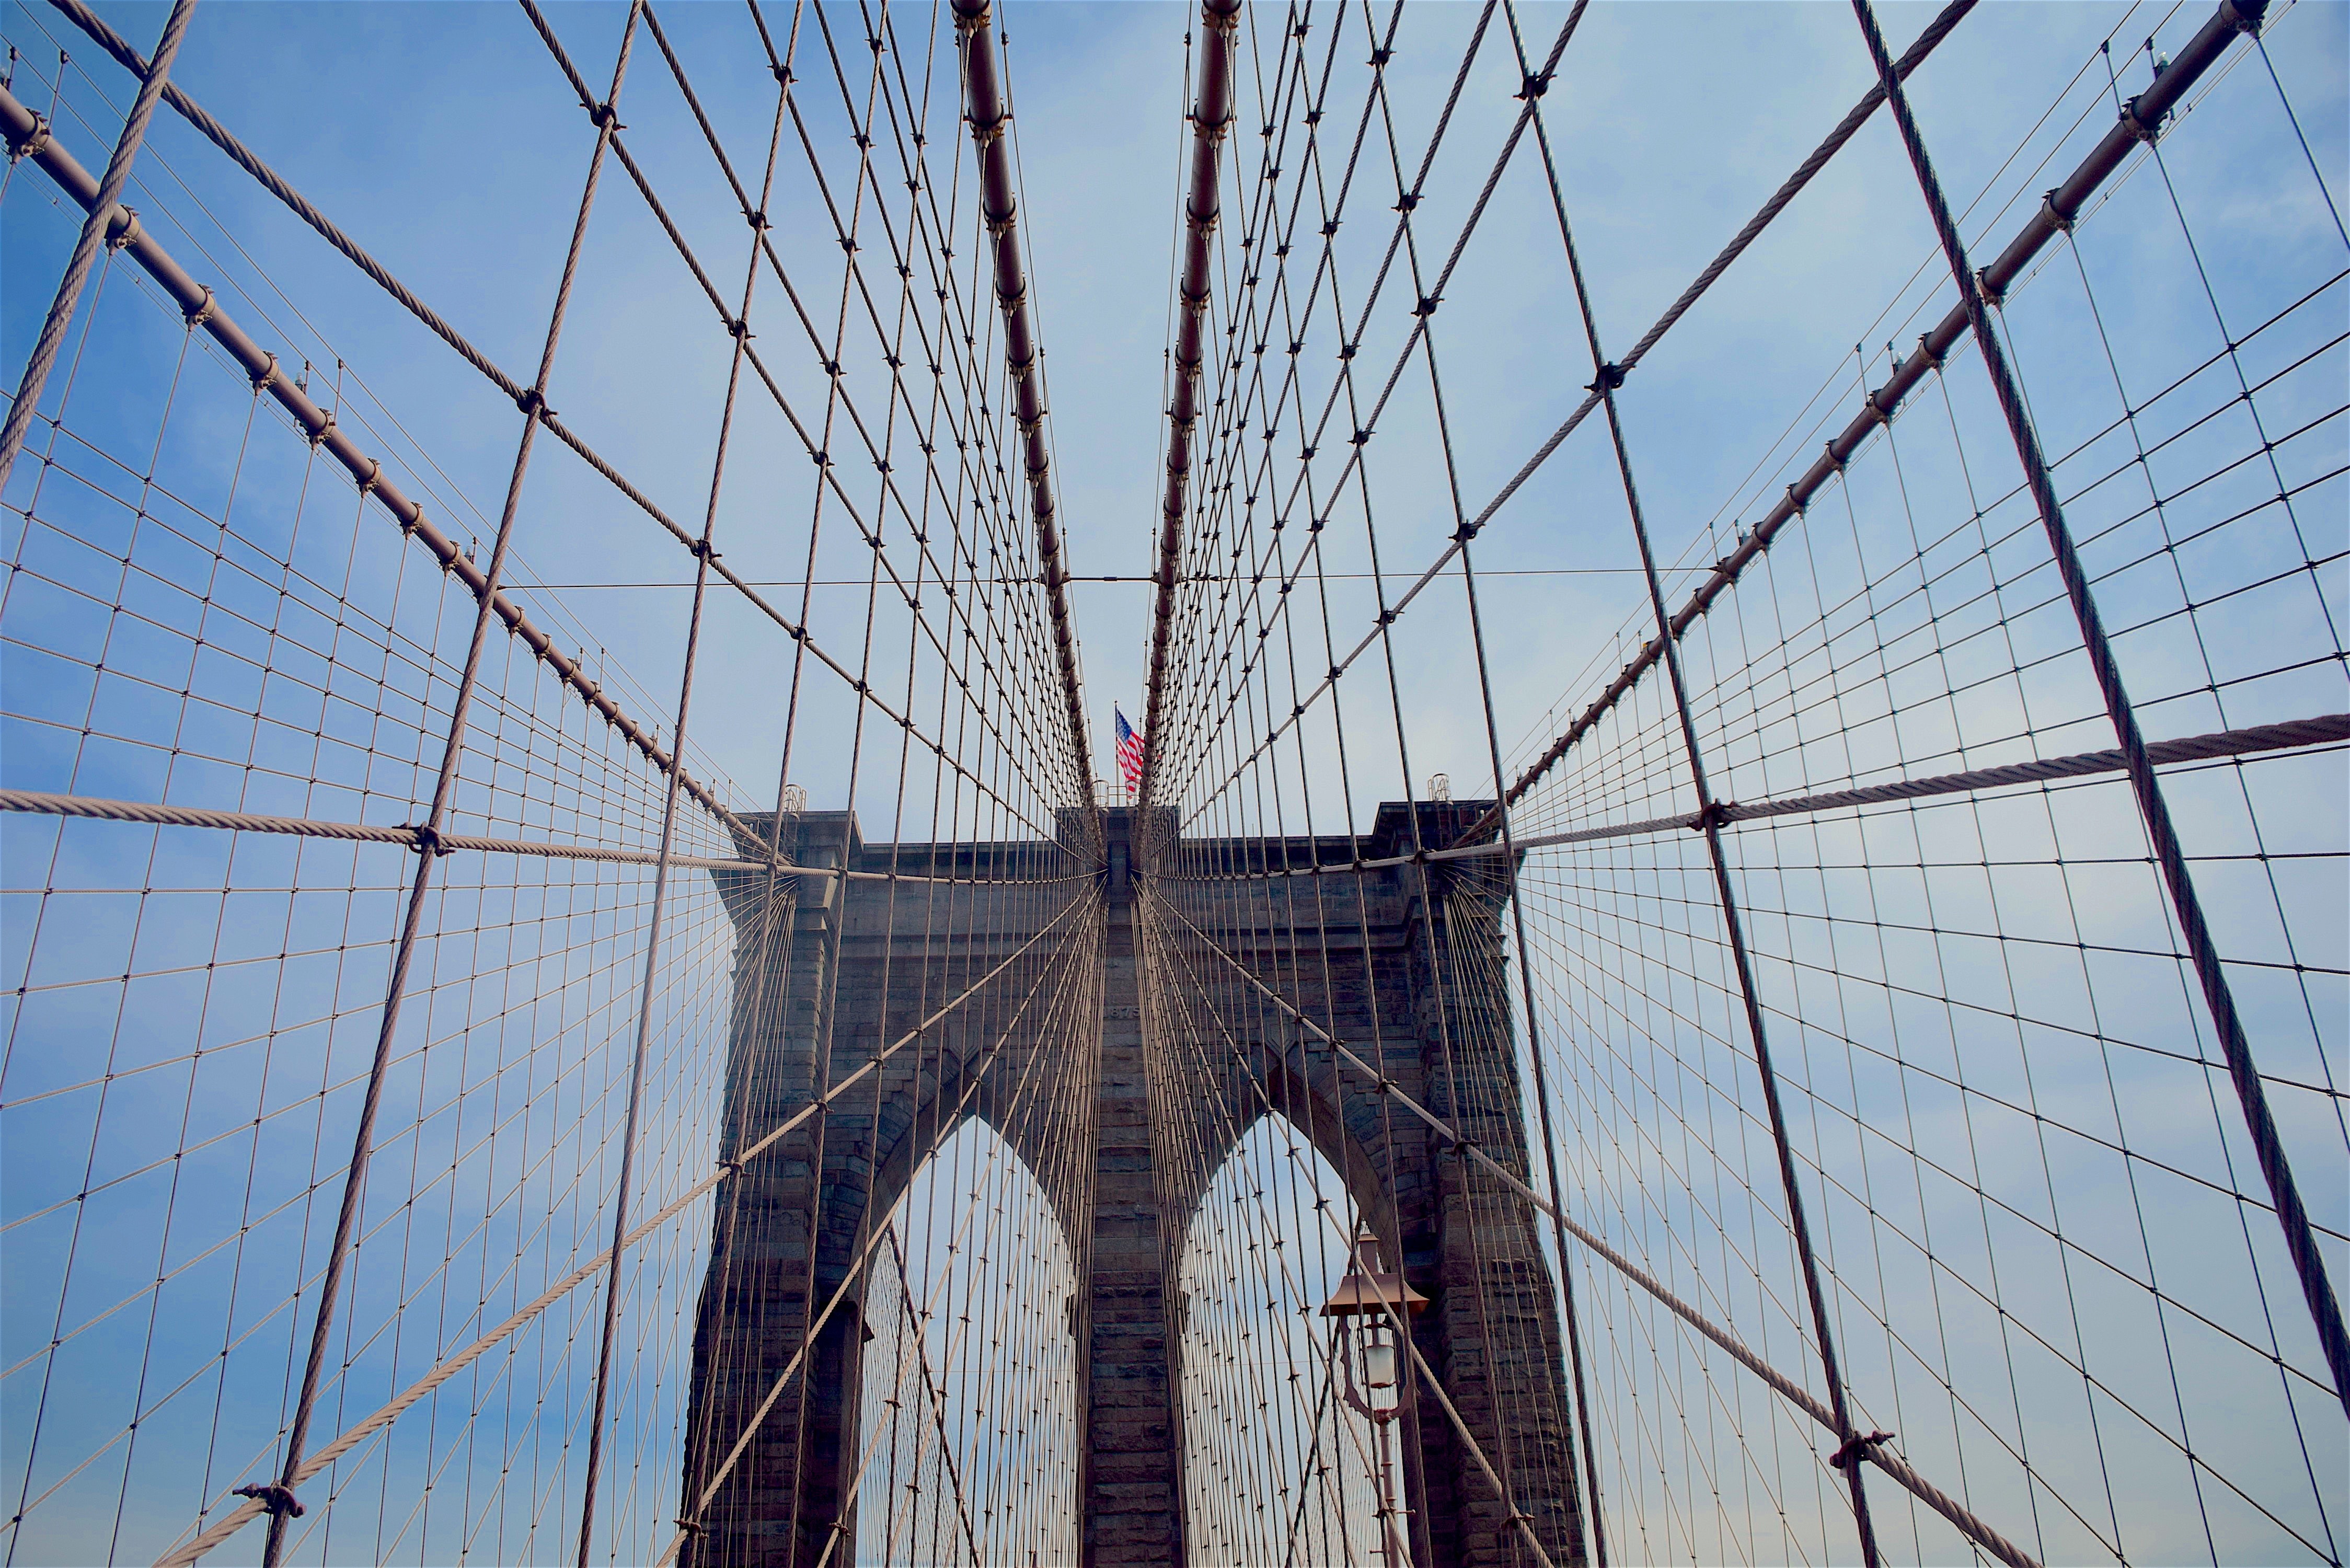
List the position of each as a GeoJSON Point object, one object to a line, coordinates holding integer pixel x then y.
{"type": "Point", "coordinates": [1535, 86]}
{"type": "Point", "coordinates": [1834, 461]}
{"type": "Point", "coordinates": [1712, 816]}
{"type": "Point", "coordinates": [1991, 292]}
{"type": "Point", "coordinates": [2058, 219]}
{"type": "Point", "coordinates": [532, 402]}
{"type": "Point", "coordinates": [1926, 347]}
{"type": "Point", "coordinates": [409, 525]}
{"type": "Point", "coordinates": [266, 376]}
{"type": "Point", "coordinates": [374, 477]}
{"type": "Point", "coordinates": [1856, 1448]}
{"type": "Point", "coordinates": [326, 428]}
{"type": "Point", "coordinates": [122, 233]}
{"type": "Point", "coordinates": [1427, 306]}
{"type": "Point", "coordinates": [2135, 124]}
{"type": "Point", "coordinates": [2246, 17]}
{"type": "Point", "coordinates": [606, 117]}
{"type": "Point", "coordinates": [1611, 376]}
{"type": "Point", "coordinates": [1801, 504]}
{"type": "Point", "coordinates": [202, 313]}
{"type": "Point", "coordinates": [428, 839]}
{"type": "Point", "coordinates": [35, 141]}
{"type": "Point", "coordinates": [274, 1498]}
{"type": "Point", "coordinates": [701, 551]}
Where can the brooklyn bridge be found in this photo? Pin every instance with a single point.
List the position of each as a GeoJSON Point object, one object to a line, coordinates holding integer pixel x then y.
{"type": "Point", "coordinates": [1696, 911]}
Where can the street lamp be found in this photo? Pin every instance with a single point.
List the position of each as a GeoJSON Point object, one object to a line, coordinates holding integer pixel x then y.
{"type": "Point", "coordinates": [1372, 1304]}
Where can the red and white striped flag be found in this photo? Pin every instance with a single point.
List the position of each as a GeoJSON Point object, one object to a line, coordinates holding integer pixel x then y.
{"type": "Point", "coordinates": [1129, 752]}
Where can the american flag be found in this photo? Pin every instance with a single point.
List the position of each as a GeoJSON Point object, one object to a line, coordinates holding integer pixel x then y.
{"type": "Point", "coordinates": [1129, 752]}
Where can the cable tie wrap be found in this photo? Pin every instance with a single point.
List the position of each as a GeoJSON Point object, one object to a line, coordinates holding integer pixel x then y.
{"type": "Point", "coordinates": [273, 1498]}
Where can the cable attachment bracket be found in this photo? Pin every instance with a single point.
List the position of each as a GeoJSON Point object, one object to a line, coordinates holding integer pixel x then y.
{"type": "Point", "coordinates": [2138, 125]}
{"type": "Point", "coordinates": [35, 140]}
{"type": "Point", "coordinates": [1856, 1448]}
{"type": "Point", "coordinates": [1610, 377]}
{"type": "Point", "coordinates": [122, 230]}
{"type": "Point", "coordinates": [273, 1498]}
{"type": "Point", "coordinates": [1712, 816]}
{"type": "Point", "coordinates": [2058, 219]}
{"type": "Point", "coordinates": [427, 840]}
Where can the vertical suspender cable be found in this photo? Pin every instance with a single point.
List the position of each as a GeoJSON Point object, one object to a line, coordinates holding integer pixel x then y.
{"type": "Point", "coordinates": [533, 406]}
{"type": "Point", "coordinates": [1607, 378]}
{"type": "Point", "coordinates": [704, 554]}
{"type": "Point", "coordinates": [97, 226]}
{"type": "Point", "coordinates": [1211, 122]}
{"type": "Point", "coordinates": [2145, 120]}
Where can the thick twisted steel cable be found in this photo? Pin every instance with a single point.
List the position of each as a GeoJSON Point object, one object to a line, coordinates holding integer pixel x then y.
{"type": "Point", "coordinates": [196, 300]}
{"type": "Point", "coordinates": [1912, 59]}
{"type": "Point", "coordinates": [1879, 1454]}
{"type": "Point", "coordinates": [2141, 120]}
{"type": "Point", "coordinates": [97, 226]}
{"type": "Point", "coordinates": [1883, 403]}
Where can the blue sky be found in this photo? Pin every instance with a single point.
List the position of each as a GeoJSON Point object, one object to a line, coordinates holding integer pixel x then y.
{"type": "Point", "coordinates": [443, 139]}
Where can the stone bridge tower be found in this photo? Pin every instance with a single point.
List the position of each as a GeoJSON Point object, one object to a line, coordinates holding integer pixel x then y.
{"type": "Point", "coordinates": [1404, 964]}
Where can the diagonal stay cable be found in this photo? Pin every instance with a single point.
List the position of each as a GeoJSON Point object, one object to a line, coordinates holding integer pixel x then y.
{"type": "Point", "coordinates": [196, 300]}
{"type": "Point", "coordinates": [238, 1518]}
{"type": "Point", "coordinates": [1879, 1454]}
{"type": "Point", "coordinates": [1536, 84]}
{"type": "Point", "coordinates": [22, 129]}
{"type": "Point", "coordinates": [970, 1082]}
{"type": "Point", "coordinates": [2055, 215]}
{"type": "Point", "coordinates": [1926, 41]}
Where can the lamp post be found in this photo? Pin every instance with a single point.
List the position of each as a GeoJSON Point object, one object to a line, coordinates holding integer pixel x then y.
{"type": "Point", "coordinates": [1371, 1304]}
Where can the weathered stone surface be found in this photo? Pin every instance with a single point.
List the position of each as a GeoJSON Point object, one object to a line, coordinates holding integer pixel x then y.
{"type": "Point", "coordinates": [1402, 960]}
